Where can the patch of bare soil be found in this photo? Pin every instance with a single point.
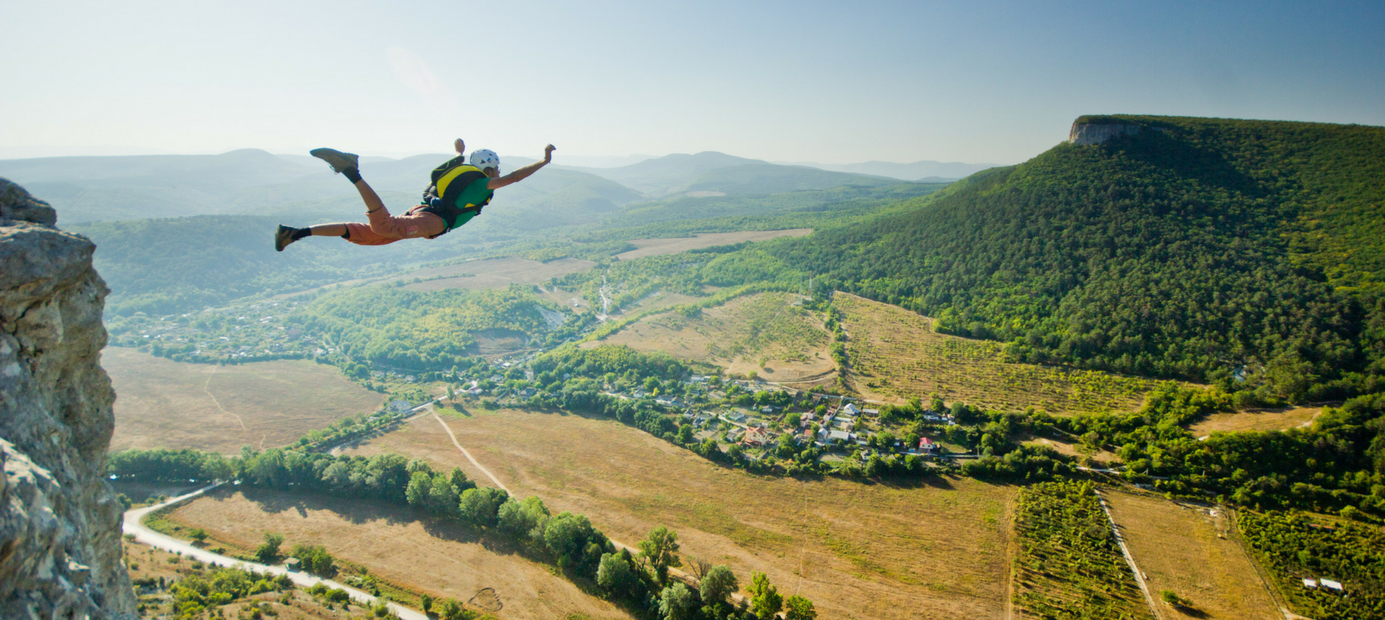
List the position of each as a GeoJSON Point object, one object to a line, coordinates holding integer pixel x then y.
{"type": "Point", "coordinates": [674, 245]}
{"type": "Point", "coordinates": [493, 273]}
{"type": "Point", "coordinates": [161, 403]}
{"type": "Point", "coordinates": [1188, 550]}
{"type": "Point", "coordinates": [1255, 420]}
{"type": "Point", "coordinates": [764, 333]}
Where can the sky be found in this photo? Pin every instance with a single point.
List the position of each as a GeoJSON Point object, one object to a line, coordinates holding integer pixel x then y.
{"type": "Point", "coordinates": [825, 82]}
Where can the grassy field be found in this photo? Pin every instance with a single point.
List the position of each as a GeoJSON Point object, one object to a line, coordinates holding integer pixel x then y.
{"type": "Point", "coordinates": [858, 550]}
{"type": "Point", "coordinates": [737, 335]}
{"type": "Point", "coordinates": [674, 245]}
{"type": "Point", "coordinates": [165, 404]}
{"type": "Point", "coordinates": [1186, 549]}
{"type": "Point", "coordinates": [895, 354]}
{"type": "Point", "coordinates": [438, 558]}
{"type": "Point", "coordinates": [492, 273]}
{"type": "Point", "coordinates": [1255, 420]}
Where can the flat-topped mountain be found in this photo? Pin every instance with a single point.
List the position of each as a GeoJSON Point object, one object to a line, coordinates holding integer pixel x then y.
{"type": "Point", "coordinates": [1251, 253]}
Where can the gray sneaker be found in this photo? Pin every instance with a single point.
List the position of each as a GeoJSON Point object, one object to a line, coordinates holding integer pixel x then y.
{"type": "Point", "coordinates": [338, 160]}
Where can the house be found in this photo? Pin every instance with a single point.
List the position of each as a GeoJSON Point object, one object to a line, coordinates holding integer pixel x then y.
{"type": "Point", "coordinates": [735, 416]}
{"type": "Point", "coordinates": [839, 436]}
{"type": "Point", "coordinates": [767, 409]}
{"type": "Point", "coordinates": [756, 436]}
{"type": "Point", "coordinates": [851, 410]}
{"type": "Point", "coordinates": [291, 565]}
{"type": "Point", "coordinates": [400, 406]}
{"type": "Point", "coordinates": [873, 412]}
{"type": "Point", "coordinates": [1310, 583]}
{"type": "Point", "coordinates": [927, 445]}
{"type": "Point", "coordinates": [1331, 585]}
{"type": "Point", "coordinates": [807, 417]}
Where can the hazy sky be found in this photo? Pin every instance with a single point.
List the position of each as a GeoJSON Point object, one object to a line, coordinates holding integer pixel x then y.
{"type": "Point", "coordinates": [838, 82]}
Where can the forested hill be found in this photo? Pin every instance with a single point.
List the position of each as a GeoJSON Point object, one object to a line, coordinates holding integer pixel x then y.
{"type": "Point", "coordinates": [1249, 253]}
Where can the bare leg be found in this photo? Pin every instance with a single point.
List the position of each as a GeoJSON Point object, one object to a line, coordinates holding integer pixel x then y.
{"type": "Point", "coordinates": [327, 230]}
{"type": "Point", "coordinates": [372, 200]}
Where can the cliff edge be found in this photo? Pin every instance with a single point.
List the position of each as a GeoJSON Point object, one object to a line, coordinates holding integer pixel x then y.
{"type": "Point", "coordinates": [60, 549]}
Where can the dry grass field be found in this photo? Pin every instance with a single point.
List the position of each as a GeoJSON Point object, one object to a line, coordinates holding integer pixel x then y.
{"type": "Point", "coordinates": [895, 354]}
{"type": "Point", "coordinates": [161, 403]}
{"type": "Point", "coordinates": [1186, 549]}
{"type": "Point", "coordinates": [737, 334]}
{"type": "Point", "coordinates": [857, 550]}
{"type": "Point", "coordinates": [435, 557]}
{"type": "Point", "coordinates": [493, 273]}
{"type": "Point", "coordinates": [674, 245]}
{"type": "Point", "coordinates": [1255, 420]}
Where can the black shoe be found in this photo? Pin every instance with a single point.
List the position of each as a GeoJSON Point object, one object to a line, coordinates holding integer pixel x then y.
{"type": "Point", "coordinates": [339, 161]}
{"type": "Point", "coordinates": [283, 237]}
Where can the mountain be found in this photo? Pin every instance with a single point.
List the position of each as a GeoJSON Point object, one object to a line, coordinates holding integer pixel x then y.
{"type": "Point", "coordinates": [663, 175]}
{"type": "Point", "coordinates": [92, 189]}
{"type": "Point", "coordinates": [87, 189]}
{"type": "Point", "coordinates": [922, 171]}
{"type": "Point", "coordinates": [1248, 253]}
{"type": "Point", "coordinates": [710, 172]}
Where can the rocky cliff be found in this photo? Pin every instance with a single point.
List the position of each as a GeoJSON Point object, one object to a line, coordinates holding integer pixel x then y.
{"type": "Point", "coordinates": [1098, 133]}
{"type": "Point", "coordinates": [60, 554]}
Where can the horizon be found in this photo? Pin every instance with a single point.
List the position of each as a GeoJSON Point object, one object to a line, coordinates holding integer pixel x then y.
{"type": "Point", "coordinates": [891, 82]}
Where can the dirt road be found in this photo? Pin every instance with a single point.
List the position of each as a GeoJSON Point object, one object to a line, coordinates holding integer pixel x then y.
{"type": "Point", "coordinates": [149, 537]}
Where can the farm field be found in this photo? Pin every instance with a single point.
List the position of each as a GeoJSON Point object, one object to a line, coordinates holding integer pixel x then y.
{"type": "Point", "coordinates": [737, 334]}
{"type": "Point", "coordinates": [895, 354]}
{"type": "Point", "coordinates": [1255, 420]}
{"type": "Point", "coordinates": [436, 557]}
{"type": "Point", "coordinates": [1188, 550]}
{"type": "Point", "coordinates": [937, 550]}
{"type": "Point", "coordinates": [161, 403]}
{"type": "Point", "coordinates": [1068, 563]}
{"type": "Point", "coordinates": [674, 245]}
{"type": "Point", "coordinates": [492, 273]}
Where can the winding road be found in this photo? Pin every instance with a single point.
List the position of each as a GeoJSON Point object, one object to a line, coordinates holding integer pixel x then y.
{"type": "Point", "coordinates": [142, 534]}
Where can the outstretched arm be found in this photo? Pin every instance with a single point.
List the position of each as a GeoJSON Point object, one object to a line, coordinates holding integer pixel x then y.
{"type": "Point", "coordinates": [522, 173]}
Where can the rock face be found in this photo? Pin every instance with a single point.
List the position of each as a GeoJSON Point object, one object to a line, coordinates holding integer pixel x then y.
{"type": "Point", "coordinates": [1087, 133]}
{"type": "Point", "coordinates": [60, 549]}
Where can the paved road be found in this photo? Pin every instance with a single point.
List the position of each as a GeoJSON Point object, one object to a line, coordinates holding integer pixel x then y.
{"type": "Point", "coordinates": [167, 543]}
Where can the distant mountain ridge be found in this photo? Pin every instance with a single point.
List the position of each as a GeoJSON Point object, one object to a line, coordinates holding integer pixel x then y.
{"type": "Point", "coordinates": [712, 173]}
{"type": "Point", "coordinates": [924, 170]}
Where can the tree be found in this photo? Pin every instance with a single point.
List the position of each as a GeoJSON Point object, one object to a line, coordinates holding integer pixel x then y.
{"type": "Point", "coordinates": [442, 496]}
{"type": "Point", "coordinates": [451, 609]}
{"type": "Point", "coordinates": [698, 567]}
{"type": "Point", "coordinates": [420, 486]}
{"type": "Point", "coordinates": [765, 600]}
{"type": "Point", "coordinates": [459, 480]}
{"type": "Point", "coordinates": [659, 550]}
{"type": "Point", "coordinates": [314, 559]}
{"type": "Point", "coordinates": [524, 520]}
{"type": "Point", "coordinates": [426, 602]}
{"type": "Point", "coordinates": [718, 584]}
{"type": "Point", "coordinates": [479, 507]}
{"type": "Point", "coordinates": [198, 534]}
{"type": "Point", "coordinates": [676, 602]}
{"type": "Point", "coordinates": [268, 552]}
{"type": "Point", "coordinates": [615, 574]}
{"type": "Point", "coordinates": [799, 608]}
{"type": "Point", "coordinates": [567, 536]}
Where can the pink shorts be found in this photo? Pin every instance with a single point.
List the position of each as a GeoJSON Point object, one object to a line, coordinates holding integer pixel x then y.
{"type": "Point", "coordinates": [385, 228]}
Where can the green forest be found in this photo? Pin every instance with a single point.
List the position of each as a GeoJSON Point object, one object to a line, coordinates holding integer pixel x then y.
{"type": "Point", "coordinates": [1234, 252]}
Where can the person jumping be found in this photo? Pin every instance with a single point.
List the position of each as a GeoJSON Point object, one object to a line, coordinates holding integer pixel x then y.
{"type": "Point", "coordinates": [458, 192]}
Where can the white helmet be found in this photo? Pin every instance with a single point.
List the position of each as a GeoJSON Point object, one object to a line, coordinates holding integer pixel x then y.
{"type": "Point", "coordinates": [485, 158]}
